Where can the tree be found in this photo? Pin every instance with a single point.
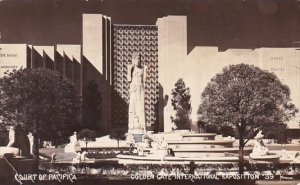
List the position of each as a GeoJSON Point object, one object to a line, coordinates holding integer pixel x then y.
{"type": "Point", "coordinates": [87, 136]}
{"type": "Point", "coordinates": [42, 102]}
{"type": "Point", "coordinates": [182, 105]}
{"type": "Point", "coordinates": [118, 134]}
{"type": "Point", "coordinates": [92, 105]}
{"type": "Point", "coordinates": [246, 99]}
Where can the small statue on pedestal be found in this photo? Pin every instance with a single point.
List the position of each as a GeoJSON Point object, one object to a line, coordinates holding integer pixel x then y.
{"type": "Point", "coordinates": [11, 136]}
{"type": "Point", "coordinates": [259, 148]}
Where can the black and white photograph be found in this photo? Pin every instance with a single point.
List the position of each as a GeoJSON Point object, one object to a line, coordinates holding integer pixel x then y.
{"type": "Point", "coordinates": [149, 92]}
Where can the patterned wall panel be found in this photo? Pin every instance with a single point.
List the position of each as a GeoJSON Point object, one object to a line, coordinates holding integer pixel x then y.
{"type": "Point", "coordinates": [126, 40]}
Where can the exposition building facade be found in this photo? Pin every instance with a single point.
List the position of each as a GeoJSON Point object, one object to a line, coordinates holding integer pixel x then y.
{"type": "Point", "coordinates": [106, 51]}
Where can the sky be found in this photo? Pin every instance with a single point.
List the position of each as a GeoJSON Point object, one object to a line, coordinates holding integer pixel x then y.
{"type": "Point", "coordinates": [223, 23]}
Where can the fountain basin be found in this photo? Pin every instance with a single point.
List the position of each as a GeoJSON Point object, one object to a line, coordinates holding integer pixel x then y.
{"type": "Point", "coordinates": [208, 152]}
{"type": "Point", "coordinates": [271, 157]}
{"type": "Point", "coordinates": [201, 144]}
{"type": "Point", "coordinates": [152, 159]}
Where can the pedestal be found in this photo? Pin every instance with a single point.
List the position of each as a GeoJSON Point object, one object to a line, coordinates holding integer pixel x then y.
{"type": "Point", "coordinates": [137, 134]}
{"type": "Point", "coordinates": [138, 137]}
{"type": "Point", "coordinates": [74, 145]}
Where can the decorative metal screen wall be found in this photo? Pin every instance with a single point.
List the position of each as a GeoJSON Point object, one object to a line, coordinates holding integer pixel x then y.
{"type": "Point", "coordinates": [126, 40]}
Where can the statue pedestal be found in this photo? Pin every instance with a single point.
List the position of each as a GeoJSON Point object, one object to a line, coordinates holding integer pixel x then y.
{"type": "Point", "coordinates": [137, 134]}
{"type": "Point", "coordinates": [74, 145]}
{"type": "Point", "coordinates": [138, 137]}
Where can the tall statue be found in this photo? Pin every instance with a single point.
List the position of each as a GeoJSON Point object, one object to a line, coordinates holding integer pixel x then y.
{"type": "Point", "coordinates": [136, 76]}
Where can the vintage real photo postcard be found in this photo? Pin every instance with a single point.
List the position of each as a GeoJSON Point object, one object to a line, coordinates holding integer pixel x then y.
{"type": "Point", "coordinates": [150, 92]}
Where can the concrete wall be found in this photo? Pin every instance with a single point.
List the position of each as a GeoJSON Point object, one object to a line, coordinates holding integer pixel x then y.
{"type": "Point", "coordinates": [96, 42]}
{"type": "Point", "coordinates": [285, 63]}
{"type": "Point", "coordinates": [107, 50]}
{"type": "Point", "coordinates": [92, 39]}
{"type": "Point", "coordinates": [196, 68]}
{"type": "Point", "coordinates": [203, 63]}
{"type": "Point", "coordinates": [12, 56]}
{"type": "Point", "coordinates": [172, 50]}
{"type": "Point", "coordinates": [42, 56]}
{"type": "Point", "coordinates": [71, 63]}
{"type": "Point", "coordinates": [129, 38]}
{"type": "Point", "coordinates": [96, 64]}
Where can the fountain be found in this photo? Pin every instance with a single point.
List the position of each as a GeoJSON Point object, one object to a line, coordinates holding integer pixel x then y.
{"type": "Point", "coordinates": [183, 147]}
{"type": "Point", "coordinates": [261, 152]}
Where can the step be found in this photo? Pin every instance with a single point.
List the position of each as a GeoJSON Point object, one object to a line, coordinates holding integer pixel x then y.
{"type": "Point", "coordinates": [198, 137]}
{"type": "Point", "coordinates": [211, 152]}
{"type": "Point", "coordinates": [201, 144]}
{"type": "Point", "coordinates": [131, 159]}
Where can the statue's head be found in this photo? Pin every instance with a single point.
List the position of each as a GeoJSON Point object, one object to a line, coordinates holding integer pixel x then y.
{"type": "Point", "coordinates": [136, 58]}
